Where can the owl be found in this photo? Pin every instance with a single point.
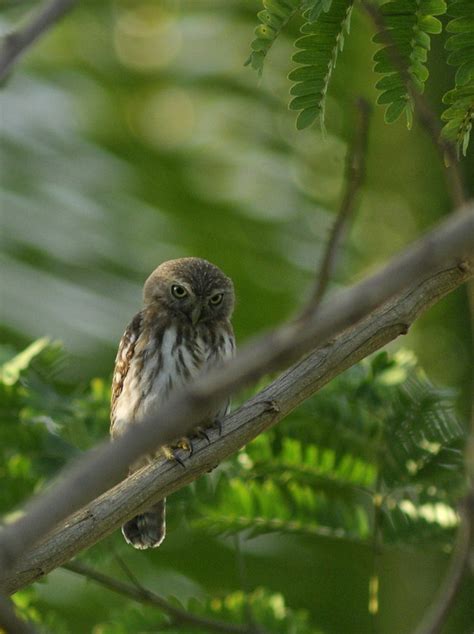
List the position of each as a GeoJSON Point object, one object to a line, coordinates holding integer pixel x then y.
{"type": "Point", "coordinates": [183, 328]}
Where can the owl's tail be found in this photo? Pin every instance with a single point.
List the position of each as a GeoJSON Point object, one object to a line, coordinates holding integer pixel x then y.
{"type": "Point", "coordinates": [148, 529]}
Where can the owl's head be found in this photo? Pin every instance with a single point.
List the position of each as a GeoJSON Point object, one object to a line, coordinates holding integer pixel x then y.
{"type": "Point", "coordinates": [190, 288]}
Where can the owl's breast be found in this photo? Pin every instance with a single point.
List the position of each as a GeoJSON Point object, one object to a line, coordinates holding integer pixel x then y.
{"type": "Point", "coordinates": [163, 364]}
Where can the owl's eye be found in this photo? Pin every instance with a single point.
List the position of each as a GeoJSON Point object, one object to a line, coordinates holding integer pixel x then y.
{"type": "Point", "coordinates": [216, 299]}
{"type": "Point", "coordinates": [178, 291]}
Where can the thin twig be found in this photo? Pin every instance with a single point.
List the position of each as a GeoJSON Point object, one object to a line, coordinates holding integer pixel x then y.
{"type": "Point", "coordinates": [355, 174]}
{"type": "Point", "coordinates": [15, 44]}
{"type": "Point", "coordinates": [142, 595]}
{"type": "Point", "coordinates": [423, 110]}
{"type": "Point", "coordinates": [446, 248]}
{"type": "Point", "coordinates": [244, 586]}
{"type": "Point", "coordinates": [126, 569]}
{"type": "Point", "coordinates": [376, 548]}
{"type": "Point", "coordinates": [436, 616]}
{"type": "Point", "coordinates": [10, 622]}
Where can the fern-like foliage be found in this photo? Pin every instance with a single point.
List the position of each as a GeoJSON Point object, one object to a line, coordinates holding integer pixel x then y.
{"type": "Point", "coordinates": [273, 18]}
{"type": "Point", "coordinates": [382, 431]}
{"type": "Point", "coordinates": [406, 40]}
{"type": "Point", "coordinates": [45, 422]}
{"type": "Point", "coordinates": [409, 25]}
{"type": "Point", "coordinates": [322, 39]}
{"type": "Point", "coordinates": [267, 609]}
{"type": "Point", "coordinates": [459, 115]}
{"type": "Point", "coordinates": [263, 505]}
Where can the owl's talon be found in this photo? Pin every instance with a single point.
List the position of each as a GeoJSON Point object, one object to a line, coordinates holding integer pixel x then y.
{"type": "Point", "coordinates": [171, 453]}
{"type": "Point", "coordinates": [218, 424]}
{"type": "Point", "coordinates": [186, 444]}
{"type": "Point", "coordinates": [201, 433]}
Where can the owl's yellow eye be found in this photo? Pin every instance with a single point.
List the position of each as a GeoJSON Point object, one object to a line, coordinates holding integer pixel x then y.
{"type": "Point", "coordinates": [178, 291]}
{"type": "Point", "coordinates": [216, 299]}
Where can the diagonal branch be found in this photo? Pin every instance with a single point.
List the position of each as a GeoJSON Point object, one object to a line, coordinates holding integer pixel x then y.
{"type": "Point", "coordinates": [142, 595]}
{"type": "Point", "coordinates": [422, 275]}
{"type": "Point", "coordinates": [15, 44]}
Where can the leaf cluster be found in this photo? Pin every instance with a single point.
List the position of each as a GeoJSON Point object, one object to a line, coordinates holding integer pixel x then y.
{"type": "Point", "coordinates": [323, 38]}
{"type": "Point", "coordinates": [45, 422]}
{"type": "Point", "coordinates": [268, 610]}
{"type": "Point", "coordinates": [404, 30]}
{"type": "Point", "coordinates": [273, 18]}
{"type": "Point", "coordinates": [459, 115]}
{"type": "Point", "coordinates": [408, 25]}
{"type": "Point", "coordinates": [381, 434]}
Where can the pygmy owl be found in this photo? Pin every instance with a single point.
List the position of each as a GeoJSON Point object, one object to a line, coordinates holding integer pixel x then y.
{"type": "Point", "coordinates": [183, 328]}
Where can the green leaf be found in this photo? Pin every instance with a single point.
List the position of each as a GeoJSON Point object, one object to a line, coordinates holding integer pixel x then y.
{"type": "Point", "coordinates": [321, 41]}
{"type": "Point", "coordinates": [459, 116]}
{"type": "Point", "coordinates": [465, 73]}
{"type": "Point", "coordinates": [408, 25]}
{"type": "Point", "coordinates": [396, 94]}
{"type": "Point", "coordinates": [394, 110]}
{"type": "Point", "coordinates": [274, 18]}
{"type": "Point", "coordinates": [307, 117]}
{"type": "Point", "coordinates": [11, 370]}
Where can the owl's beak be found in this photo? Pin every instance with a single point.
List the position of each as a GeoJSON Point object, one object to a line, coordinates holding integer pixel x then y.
{"type": "Point", "coordinates": [196, 313]}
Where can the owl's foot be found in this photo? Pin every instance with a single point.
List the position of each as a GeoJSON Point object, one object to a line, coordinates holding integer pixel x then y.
{"type": "Point", "coordinates": [201, 433]}
{"type": "Point", "coordinates": [186, 444]}
{"type": "Point", "coordinates": [217, 422]}
{"type": "Point", "coordinates": [171, 453]}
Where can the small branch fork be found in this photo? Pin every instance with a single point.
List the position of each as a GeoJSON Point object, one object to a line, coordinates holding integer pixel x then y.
{"type": "Point", "coordinates": [16, 44]}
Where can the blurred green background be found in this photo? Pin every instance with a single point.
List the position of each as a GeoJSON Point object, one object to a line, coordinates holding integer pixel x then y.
{"type": "Point", "coordinates": [132, 133]}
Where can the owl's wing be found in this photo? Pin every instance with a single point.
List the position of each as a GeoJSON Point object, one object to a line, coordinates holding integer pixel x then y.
{"type": "Point", "coordinates": [123, 359]}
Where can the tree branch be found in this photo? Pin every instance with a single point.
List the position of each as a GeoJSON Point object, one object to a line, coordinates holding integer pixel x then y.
{"type": "Point", "coordinates": [142, 595]}
{"type": "Point", "coordinates": [355, 174]}
{"type": "Point", "coordinates": [423, 274]}
{"type": "Point", "coordinates": [10, 623]}
{"type": "Point", "coordinates": [15, 44]}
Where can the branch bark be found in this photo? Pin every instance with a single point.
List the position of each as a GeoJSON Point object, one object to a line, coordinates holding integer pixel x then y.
{"type": "Point", "coordinates": [424, 274]}
{"type": "Point", "coordinates": [15, 44]}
